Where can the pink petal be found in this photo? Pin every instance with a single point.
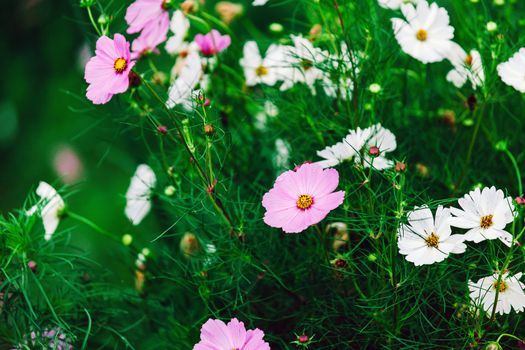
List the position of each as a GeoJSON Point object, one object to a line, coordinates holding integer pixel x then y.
{"type": "Point", "coordinates": [121, 47]}
{"type": "Point", "coordinates": [277, 199]}
{"type": "Point", "coordinates": [98, 70]}
{"type": "Point", "coordinates": [254, 341]}
{"type": "Point", "coordinates": [329, 201]}
{"type": "Point", "coordinates": [237, 332]}
{"type": "Point", "coordinates": [120, 83]}
{"type": "Point", "coordinates": [279, 218]}
{"type": "Point", "coordinates": [141, 12]}
{"type": "Point", "coordinates": [298, 223]}
{"type": "Point", "coordinates": [217, 333]}
{"type": "Point", "coordinates": [326, 183]}
{"type": "Point", "coordinates": [98, 95]}
{"type": "Point", "coordinates": [105, 49]}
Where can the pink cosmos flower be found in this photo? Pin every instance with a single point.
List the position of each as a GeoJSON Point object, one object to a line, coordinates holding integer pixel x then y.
{"type": "Point", "coordinates": [216, 335]}
{"type": "Point", "coordinates": [150, 38]}
{"type": "Point", "coordinates": [212, 43]}
{"type": "Point", "coordinates": [302, 198]}
{"type": "Point", "coordinates": [144, 13]}
{"type": "Point", "coordinates": [107, 72]}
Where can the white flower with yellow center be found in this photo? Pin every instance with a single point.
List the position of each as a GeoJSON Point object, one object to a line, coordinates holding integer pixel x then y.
{"type": "Point", "coordinates": [512, 72]}
{"type": "Point", "coordinates": [51, 207]}
{"type": "Point", "coordinates": [424, 240]}
{"type": "Point", "coordinates": [425, 34]}
{"type": "Point", "coordinates": [300, 63]}
{"type": "Point", "coordinates": [484, 214]}
{"type": "Point", "coordinates": [509, 290]}
{"type": "Point", "coordinates": [259, 70]}
{"type": "Point", "coordinates": [467, 66]}
{"type": "Point", "coordinates": [189, 75]}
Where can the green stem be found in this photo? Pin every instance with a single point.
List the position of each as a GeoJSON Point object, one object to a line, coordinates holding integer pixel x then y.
{"type": "Point", "coordinates": [517, 170]}
{"type": "Point", "coordinates": [93, 21]}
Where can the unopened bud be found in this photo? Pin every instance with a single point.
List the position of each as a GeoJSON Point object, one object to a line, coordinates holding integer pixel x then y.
{"type": "Point", "coordinates": [189, 244]}
{"type": "Point", "coordinates": [169, 190]}
{"type": "Point", "coordinates": [127, 239]}
{"type": "Point", "coordinates": [315, 31]}
{"type": "Point", "coordinates": [422, 170]}
{"type": "Point", "coordinates": [374, 151]}
{"type": "Point", "coordinates": [209, 129]}
{"type": "Point", "coordinates": [32, 265]}
{"type": "Point", "coordinates": [162, 129]}
{"type": "Point", "coordinates": [374, 88]}
{"type": "Point", "coordinates": [276, 27]}
{"type": "Point", "coordinates": [520, 200]}
{"type": "Point", "coordinates": [207, 102]}
{"type": "Point", "coordinates": [103, 19]}
{"type": "Point", "coordinates": [134, 79]}
{"type": "Point", "coordinates": [303, 338]}
{"type": "Point", "coordinates": [492, 26]}
{"type": "Point", "coordinates": [188, 6]}
{"type": "Point", "coordinates": [400, 167]}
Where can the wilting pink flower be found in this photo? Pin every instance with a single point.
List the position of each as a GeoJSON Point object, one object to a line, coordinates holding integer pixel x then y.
{"type": "Point", "coordinates": [212, 43]}
{"type": "Point", "coordinates": [216, 335]}
{"type": "Point", "coordinates": [302, 198]}
{"type": "Point", "coordinates": [144, 13]}
{"type": "Point", "coordinates": [107, 72]}
{"type": "Point", "coordinates": [150, 38]}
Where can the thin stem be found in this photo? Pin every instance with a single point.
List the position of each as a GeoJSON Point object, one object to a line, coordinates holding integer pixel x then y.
{"type": "Point", "coordinates": [517, 170]}
{"type": "Point", "coordinates": [93, 21]}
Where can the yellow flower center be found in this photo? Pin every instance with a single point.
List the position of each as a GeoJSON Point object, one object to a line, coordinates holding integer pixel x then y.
{"type": "Point", "coordinates": [120, 65]}
{"type": "Point", "coordinates": [305, 201]}
{"type": "Point", "coordinates": [468, 60]}
{"type": "Point", "coordinates": [501, 286]}
{"type": "Point", "coordinates": [486, 221]}
{"type": "Point", "coordinates": [432, 240]}
{"type": "Point", "coordinates": [261, 71]}
{"type": "Point", "coordinates": [421, 35]}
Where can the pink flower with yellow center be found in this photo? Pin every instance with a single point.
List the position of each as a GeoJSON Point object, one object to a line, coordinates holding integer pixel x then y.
{"type": "Point", "coordinates": [216, 335]}
{"type": "Point", "coordinates": [107, 72]}
{"type": "Point", "coordinates": [212, 43]}
{"type": "Point", "coordinates": [302, 198]}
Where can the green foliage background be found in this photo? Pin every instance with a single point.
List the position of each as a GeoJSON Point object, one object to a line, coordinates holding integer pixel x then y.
{"type": "Point", "coordinates": [283, 284]}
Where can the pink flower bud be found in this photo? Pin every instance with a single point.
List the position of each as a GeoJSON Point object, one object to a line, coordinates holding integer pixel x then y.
{"type": "Point", "coordinates": [303, 339]}
{"type": "Point", "coordinates": [162, 129]}
{"type": "Point", "coordinates": [32, 265]}
{"type": "Point", "coordinates": [207, 102]}
{"type": "Point", "coordinates": [374, 151]}
{"type": "Point", "coordinates": [520, 200]}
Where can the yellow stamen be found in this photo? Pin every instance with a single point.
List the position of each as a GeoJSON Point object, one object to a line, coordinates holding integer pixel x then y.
{"type": "Point", "coordinates": [421, 35]}
{"type": "Point", "coordinates": [486, 221]}
{"type": "Point", "coordinates": [501, 286]}
{"type": "Point", "coordinates": [120, 65]}
{"type": "Point", "coordinates": [432, 240]}
{"type": "Point", "coordinates": [261, 71]}
{"type": "Point", "coordinates": [305, 201]}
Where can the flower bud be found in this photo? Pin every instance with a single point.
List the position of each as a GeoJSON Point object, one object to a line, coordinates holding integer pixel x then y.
{"type": "Point", "coordinates": [32, 265]}
{"type": "Point", "coordinates": [162, 129]}
{"type": "Point", "coordinates": [422, 170]}
{"type": "Point", "coordinates": [276, 27]}
{"type": "Point", "coordinates": [520, 200]}
{"type": "Point", "coordinates": [228, 11]}
{"type": "Point", "coordinates": [492, 26]}
{"type": "Point", "coordinates": [169, 190]}
{"type": "Point", "coordinates": [303, 338]}
{"type": "Point", "coordinates": [87, 3]}
{"type": "Point", "coordinates": [374, 88]}
{"type": "Point", "coordinates": [400, 167]}
{"type": "Point", "coordinates": [127, 239]}
{"type": "Point", "coordinates": [189, 6]}
{"type": "Point", "coordinates": [134, 79]}
{"type": "Point", "coordinates": [374, 151]}
{"type": "Point", "coordinates": [103, 19]}
{"type": "Point", "coordinates": [209, 129]}
{"type": "Point", "coordinates": [189, 244]}
{"type": "Point", "coordinates": [315, 31]}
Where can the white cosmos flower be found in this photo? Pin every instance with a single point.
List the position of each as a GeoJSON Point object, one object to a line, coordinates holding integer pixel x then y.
{"type": "Point", "coordinates": [258, 70]}
{"type": "Point", "coordinates": [424, 240]}
{"type": "Point", "coordinates": [485, 214]}
{"type": "Point", "coordinates": [300, 63]}
{"type": "Point", "coordinates": [52, 209]}
{"type": "Point", "coordinates": [512, 72]}
{"type": "Point", "coordinates": [426, 34]}
{"type": "Point", "coordinates": [395, 4]}
{"type": "Point", "coordinates": [379, 140]}
{"type": "Point", "coordinates": [347, 149]}
{"type": "Point", "coordinates": [358, 144]}
{"type": "Point", "coordinates": [138, 196]}
{"type": "Point", "coordinates": [186, 81]}
{"type": "Point", "coordinates": [466, 67]}
{"type": "Point", "coordinates": [510, 296]}
{"type": "Point", "coordinates": [179, 26]}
